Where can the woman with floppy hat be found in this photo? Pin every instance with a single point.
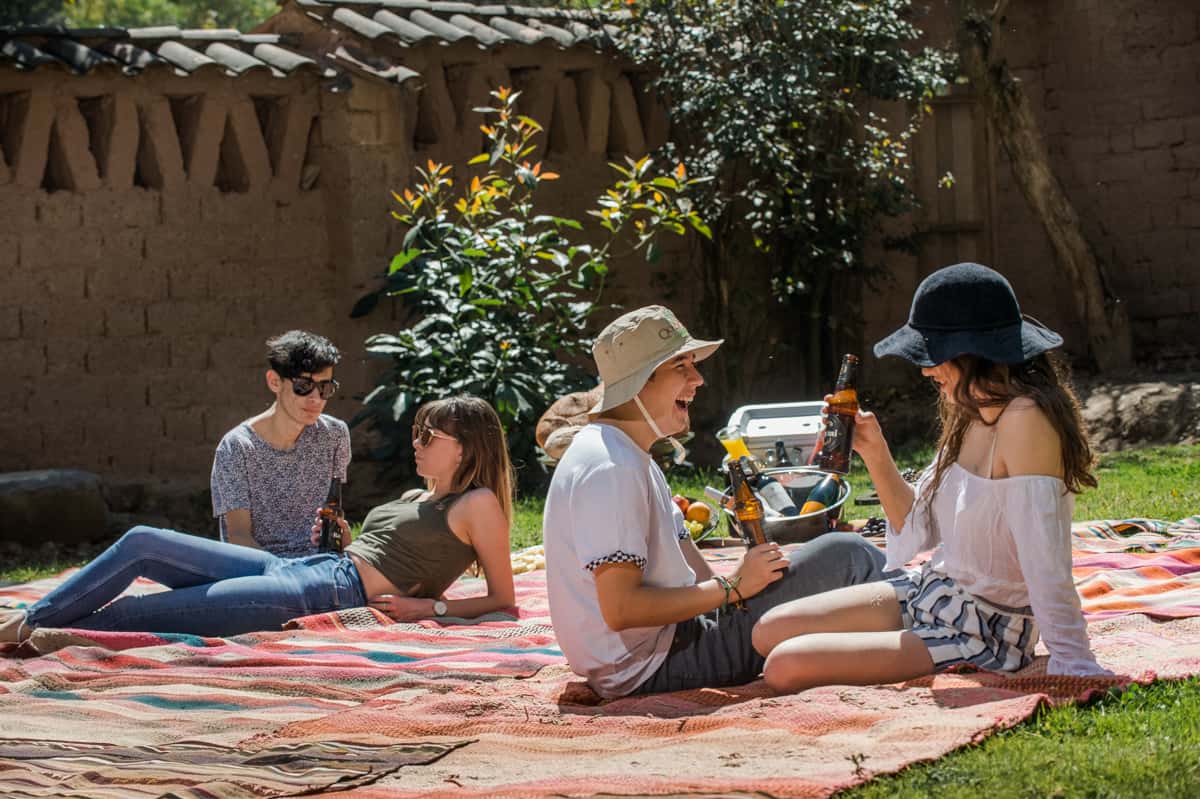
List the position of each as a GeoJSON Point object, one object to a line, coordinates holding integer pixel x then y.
{"type": "Point", "coordinates": [635, 607]}
{"type": "Point", "coordinates": [995, 506]}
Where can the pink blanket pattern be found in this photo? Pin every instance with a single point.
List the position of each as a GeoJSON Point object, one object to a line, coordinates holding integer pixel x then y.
{"type": "Point", "coordinates": [502, 686]}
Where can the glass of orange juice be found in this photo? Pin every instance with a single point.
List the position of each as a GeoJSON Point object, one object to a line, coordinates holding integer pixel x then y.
{"type": "Point", "coordinates": [731, 439]}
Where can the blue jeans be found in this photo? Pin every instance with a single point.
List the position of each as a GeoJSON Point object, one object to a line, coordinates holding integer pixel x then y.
{"type": "Point", "coordinates": [217, 589]}
{"type": "Point", "coordinates": [715, 649]}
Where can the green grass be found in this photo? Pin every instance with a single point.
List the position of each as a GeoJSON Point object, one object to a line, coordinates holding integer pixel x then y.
{"type": "Point", "coordinates": [35, 571]}
{"type": "Point", "coordinates": [20, 565]}
{"type": "Point", "coordinates": [1157, 483]}
{"type": "Point", "coordinates": [1143, 742]}
{"type": "Point", "coordinates": [527, 522]}
{"type": "Point", "coordinates": [1152, 483]}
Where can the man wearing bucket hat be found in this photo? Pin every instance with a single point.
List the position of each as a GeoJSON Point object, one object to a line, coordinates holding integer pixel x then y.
{"type": "Point", "coordinates": [995, 506]}
{"type": "Point", "coordinates": [635, 607]}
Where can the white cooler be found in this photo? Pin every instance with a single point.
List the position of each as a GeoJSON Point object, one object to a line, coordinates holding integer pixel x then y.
{"type": "Point", "coordinates": [796, 424]}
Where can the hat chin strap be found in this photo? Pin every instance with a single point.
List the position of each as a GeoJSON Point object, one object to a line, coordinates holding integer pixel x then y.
{"type": "Point", "coordinates": [678, 453]}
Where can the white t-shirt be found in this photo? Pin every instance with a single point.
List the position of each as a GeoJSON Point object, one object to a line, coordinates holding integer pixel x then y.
{"type": "Point", "coordinates": [609, 503]}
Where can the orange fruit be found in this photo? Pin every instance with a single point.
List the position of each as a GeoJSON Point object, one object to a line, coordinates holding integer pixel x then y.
{"type": "Point", "coordinates": [698, 512]}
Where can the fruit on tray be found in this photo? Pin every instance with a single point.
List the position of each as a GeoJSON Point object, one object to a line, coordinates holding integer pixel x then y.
{"type": "Point", "coordinates": [682, 502]}
{"type": "Point", "coordinates": [698, 512]}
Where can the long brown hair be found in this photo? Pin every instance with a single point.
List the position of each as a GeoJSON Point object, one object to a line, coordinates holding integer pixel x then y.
{"type": "Point", "coordinates": [1046, 380]}
{"type": "Point", "coordinates": [485, 462]}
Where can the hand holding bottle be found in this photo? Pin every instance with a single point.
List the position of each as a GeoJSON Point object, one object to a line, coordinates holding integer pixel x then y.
{"type": "Point", "coordinates": [761, 565]}
{"type": "Point", "coordinates": [840, 412]}
{"type": "Point", "coordinates": [315, 532]}
{"type": "Point", "coordinates": [869, 441]}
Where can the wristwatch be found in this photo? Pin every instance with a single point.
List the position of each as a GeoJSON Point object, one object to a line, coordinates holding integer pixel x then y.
{"type": "Point", "coordinates": [439, 607]}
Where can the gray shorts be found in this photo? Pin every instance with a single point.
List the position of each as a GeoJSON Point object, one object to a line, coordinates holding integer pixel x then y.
{"type": "Point", "coordinates": [715, 649]}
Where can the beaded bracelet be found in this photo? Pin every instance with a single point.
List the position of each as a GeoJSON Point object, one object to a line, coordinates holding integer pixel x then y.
{"type": "Point", "coordinates": [724, 583]}
{"type": "Point", "coordinates": [731, 586]}
{"type": "Point", "coordinates": [734, 582]}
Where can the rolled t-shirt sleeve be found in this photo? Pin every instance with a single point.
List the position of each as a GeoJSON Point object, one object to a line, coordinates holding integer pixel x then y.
{"type": "Point", "coordinates": [230, 483]}
{"type": "Point", "coordinates": [608, 511]}
{"type": "Point", "coordinates": [341, 453]}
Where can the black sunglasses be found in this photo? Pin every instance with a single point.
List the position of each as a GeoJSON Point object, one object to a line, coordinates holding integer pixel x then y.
{"type": "Point", "coordinates": [303, 386]}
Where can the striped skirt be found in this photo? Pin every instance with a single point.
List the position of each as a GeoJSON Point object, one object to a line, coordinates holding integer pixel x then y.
{"type": "Point", "coordinates": [960, 628]}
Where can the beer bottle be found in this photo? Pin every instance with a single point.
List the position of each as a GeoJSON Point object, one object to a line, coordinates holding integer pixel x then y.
{"type": "Point", "coordinates": [837, 439]}
{"type": "Point", "coordinates": [781, 456]}
{"type": "Point", "coordinates": [330, 512]}
{"type": "Point", "coordinates": [746, 507]}
{"type": "Point", "coordinates": [771, 490]}
{"type": "Point", "coordinates": [824, 494]}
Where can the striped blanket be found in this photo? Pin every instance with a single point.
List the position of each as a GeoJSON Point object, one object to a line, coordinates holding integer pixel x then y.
{"type": "Point", "coordinates": [351, 702]}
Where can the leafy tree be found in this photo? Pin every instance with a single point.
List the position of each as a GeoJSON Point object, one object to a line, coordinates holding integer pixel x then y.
{"type": "Point", "coordinates": [801, 113]}
{"type": "Point", "coordinates": [30, 12]}
{"type": "Point", "coordinates": [500, 295]}
{"type": "Point", "coordinates": [240, 14]}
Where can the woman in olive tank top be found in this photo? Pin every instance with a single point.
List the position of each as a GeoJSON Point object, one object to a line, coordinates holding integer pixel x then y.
{"type": "Point", "coordinates": [408, 553]}
{"type": "Point", "coordinates": [412, 549]}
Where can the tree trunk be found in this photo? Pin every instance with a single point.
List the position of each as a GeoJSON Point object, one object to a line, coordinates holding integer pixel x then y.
{"type": "Point", "coordinates": [1106, 322]}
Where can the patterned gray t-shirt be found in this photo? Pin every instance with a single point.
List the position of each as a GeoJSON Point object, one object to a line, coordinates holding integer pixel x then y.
{"type": "Point", "coordinates": [282, 489]}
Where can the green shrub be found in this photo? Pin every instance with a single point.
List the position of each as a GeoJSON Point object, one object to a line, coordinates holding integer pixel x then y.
{"type": "Point", "coordinates": [502, 295]}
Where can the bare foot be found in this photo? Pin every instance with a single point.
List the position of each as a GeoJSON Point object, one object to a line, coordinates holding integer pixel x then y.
{"type": "Point", "coordinates": [13, 629]}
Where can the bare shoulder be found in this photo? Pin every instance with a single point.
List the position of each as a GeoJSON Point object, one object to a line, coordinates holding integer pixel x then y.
{"type": "Point", "coordinates": [1027, 443]}
{"type": "Point", "coordinates": [478, 503]}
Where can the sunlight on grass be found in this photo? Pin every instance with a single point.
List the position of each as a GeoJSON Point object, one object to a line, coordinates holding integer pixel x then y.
{"type": "Point", "coordinates": [1141, 742]}
{"type": "Point", "coordinates": [1153, 483]}
{"type": "Point", "coordinates": [36, 571]}
{"type": "Point", "coordinates": [1158, 483]}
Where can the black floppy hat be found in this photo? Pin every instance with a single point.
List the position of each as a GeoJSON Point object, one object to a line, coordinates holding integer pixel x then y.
{"type": "Point", "coordinates": [967, 309]}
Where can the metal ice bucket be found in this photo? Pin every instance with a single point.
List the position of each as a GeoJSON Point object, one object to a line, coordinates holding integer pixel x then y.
{"type": "Point", "coordinates": [799, 481]}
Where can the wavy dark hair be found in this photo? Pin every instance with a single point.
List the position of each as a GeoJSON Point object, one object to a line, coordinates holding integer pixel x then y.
{"type": "Point", "coordinates": [298, 352]}
{"type": "Point", "coordinates": [1045, 379]}
{"type": "Point", "coordinates": [476, 426]}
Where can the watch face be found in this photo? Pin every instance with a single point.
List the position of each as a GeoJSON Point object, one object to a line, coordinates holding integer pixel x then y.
{"type": "Point", "coordinates": [439, 608]}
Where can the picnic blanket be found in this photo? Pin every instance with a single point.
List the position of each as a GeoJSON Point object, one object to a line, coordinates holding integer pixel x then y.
{"type": "Point", "coordinates": [350, 702]}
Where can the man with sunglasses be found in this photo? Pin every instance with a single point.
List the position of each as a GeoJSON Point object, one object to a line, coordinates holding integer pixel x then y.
{"type": "Point", "coordinates": [272, 471]}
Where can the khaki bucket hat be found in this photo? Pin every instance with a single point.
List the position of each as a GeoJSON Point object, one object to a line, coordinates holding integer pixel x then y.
{"type": "Point", "coordinates": [635, 344]}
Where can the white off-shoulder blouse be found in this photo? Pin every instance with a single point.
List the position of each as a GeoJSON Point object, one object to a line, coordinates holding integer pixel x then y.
{"type": "Point", "coordinates": [1008, 541]}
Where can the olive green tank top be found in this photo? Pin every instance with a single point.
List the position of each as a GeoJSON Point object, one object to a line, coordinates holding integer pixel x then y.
{"type": "Point", "coordinates": [410, 543]}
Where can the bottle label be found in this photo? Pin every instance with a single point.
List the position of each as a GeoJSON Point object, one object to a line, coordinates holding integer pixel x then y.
{"type": "Point", "coordinates": [835, 431]}
{"type": "Point", "coordinates": [775, 495]}
{"type": "Point", "coordinates": [837, 443]}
